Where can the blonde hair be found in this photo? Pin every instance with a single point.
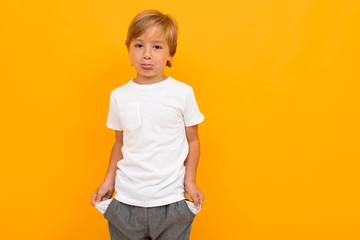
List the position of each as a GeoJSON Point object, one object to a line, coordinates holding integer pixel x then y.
{"type": "Point", "coordinates": [149, 18]}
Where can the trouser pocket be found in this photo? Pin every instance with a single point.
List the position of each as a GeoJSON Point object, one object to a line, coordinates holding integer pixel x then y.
{"type": "Point", "coordinates": [103, 205]}
{"type": "Point", "coordinates": [191, 207]}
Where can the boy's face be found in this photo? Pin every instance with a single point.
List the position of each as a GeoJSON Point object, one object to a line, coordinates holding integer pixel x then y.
{"type": "Point", "coordinates": [149, 53]}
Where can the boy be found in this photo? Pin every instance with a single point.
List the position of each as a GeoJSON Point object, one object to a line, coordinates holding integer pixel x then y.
{"type": "Point", "coordinates": [155, 156]}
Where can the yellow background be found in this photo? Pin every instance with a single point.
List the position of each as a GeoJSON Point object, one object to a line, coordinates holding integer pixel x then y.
{"type": "Point", "coordinates": [277, 82]}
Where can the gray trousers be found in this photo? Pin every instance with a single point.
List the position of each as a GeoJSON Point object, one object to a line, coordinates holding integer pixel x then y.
{"type": "Point", "coordinates": [168, 222]}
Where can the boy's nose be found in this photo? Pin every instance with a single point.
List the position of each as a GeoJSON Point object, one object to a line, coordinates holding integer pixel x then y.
{"type": "Point", "coordinates": [147, 54]}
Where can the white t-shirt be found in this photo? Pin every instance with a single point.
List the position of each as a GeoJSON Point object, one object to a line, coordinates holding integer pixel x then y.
{"type": "Point", "coordinates": [153, 118]}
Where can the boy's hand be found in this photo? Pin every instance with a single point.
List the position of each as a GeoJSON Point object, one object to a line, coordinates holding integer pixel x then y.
{"type": "Point", "coordinates": [195, 193]}
{"type": "Point", "coordinates": [105, 191]}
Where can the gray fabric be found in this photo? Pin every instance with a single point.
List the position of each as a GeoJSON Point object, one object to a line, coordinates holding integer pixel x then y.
{"type": "Point", "coordinates": [168, 222]}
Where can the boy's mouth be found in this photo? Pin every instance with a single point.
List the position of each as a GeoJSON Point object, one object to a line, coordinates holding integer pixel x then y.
{"type": "Point", "coordinates": [146, 66]}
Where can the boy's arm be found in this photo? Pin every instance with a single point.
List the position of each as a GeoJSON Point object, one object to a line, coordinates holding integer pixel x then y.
{"type": "Point", "coordinates": [115, 156]}
{"type": "Point", "coordinates": [191, 164]}
{"type": "Point", "coordinates": [107, 188]}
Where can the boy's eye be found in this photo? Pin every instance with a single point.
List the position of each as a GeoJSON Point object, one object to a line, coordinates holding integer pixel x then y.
{"type": "Point", "coordinates": [140, 45]}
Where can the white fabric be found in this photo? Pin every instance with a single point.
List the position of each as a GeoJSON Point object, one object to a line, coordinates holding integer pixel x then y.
{"type": "Point", "coordinates": [192, 207]}
{"type": "Point", "coordinates": [153, 118]}
{"type": "Point", "coordinates": [103, 205]}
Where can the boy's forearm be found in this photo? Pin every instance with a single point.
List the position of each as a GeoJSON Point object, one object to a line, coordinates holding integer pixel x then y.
{"type": "Point", "coordinates": [192, 161]}
{"type": "Point", "coordinates": [115, 156]}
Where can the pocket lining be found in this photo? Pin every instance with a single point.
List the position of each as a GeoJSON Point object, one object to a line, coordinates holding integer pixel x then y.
{"type": "Point", "coordinates": [187, 206]}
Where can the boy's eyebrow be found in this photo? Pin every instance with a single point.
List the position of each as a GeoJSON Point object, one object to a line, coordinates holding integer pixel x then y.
{"type": "Point", "coordinates": [152, 41]}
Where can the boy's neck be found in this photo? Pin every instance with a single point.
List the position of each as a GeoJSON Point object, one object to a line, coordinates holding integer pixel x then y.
{"type": "Point", "coordinates": [147, 81]}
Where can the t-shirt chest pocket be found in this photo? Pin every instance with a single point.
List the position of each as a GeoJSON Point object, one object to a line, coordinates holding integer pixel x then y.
{"type": "Point", "coordinates": [130, 116]}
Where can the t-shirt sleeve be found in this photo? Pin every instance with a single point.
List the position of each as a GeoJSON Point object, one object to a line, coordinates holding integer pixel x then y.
{"type": "Point", "coordinates": [192, 114]}
{"type": "Point", "coordinates": [113, 120]}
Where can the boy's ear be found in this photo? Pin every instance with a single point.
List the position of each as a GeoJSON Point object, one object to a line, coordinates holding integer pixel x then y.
{"type": "Point", "coordinates": [170, 57]}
